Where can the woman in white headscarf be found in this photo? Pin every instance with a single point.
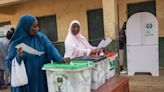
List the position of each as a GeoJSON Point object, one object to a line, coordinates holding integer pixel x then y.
{"type": "Point", "coordinates": [76, 44]}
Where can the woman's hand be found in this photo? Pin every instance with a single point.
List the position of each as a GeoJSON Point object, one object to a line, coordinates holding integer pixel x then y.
{"type": "Point", "coordinates": [66, 60]}
{"type": "Point", "coordinates": [95, 50]}
{"type": "Point", "coordinates": [20, 52]}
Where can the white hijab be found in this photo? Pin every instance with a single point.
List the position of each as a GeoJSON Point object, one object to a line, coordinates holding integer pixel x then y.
{"type": "Point", "coordinates": [76, 45]}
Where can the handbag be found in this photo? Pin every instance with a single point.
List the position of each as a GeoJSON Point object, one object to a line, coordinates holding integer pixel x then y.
{"type": "Point", "coordinates": [18, 74]}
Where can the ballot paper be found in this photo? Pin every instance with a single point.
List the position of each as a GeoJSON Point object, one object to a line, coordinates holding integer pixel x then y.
{"type": "Point", "coordinates": [104, 43]}
{"type": "Point", "coordinates": [101, 43]}
{"type": "Point", "coordinates": [29, 49]}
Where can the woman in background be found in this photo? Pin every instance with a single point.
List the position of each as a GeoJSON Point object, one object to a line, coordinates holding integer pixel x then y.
{"type": "Point", "coordinates": [76, 44]}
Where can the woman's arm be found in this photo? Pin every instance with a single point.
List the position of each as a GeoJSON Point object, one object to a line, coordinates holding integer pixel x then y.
{"type": "Point", "coordinates": [51, 51]}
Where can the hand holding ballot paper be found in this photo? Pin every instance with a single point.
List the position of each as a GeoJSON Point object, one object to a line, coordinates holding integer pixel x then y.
{"type": "Point", "coordinates": [104, 43]}
{"type": "Point", "coordinates": [29, 49]}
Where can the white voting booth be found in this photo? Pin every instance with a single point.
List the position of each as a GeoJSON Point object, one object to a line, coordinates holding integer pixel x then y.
{"type": "Point", "coordinates": [142, 44]}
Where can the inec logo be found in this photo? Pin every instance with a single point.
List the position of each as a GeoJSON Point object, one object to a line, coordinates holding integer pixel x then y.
{"type": "Point", "coordinates": [149, 26]}
{"type": "Point", "coordinates": [59, 79]}
{"type": "Point", "coordinates": [149, 29]}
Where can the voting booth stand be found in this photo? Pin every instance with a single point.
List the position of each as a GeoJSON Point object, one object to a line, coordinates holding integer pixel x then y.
{"type": "Point", "coordinates": [142, 44]}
